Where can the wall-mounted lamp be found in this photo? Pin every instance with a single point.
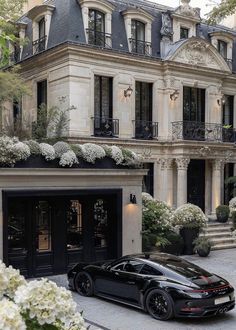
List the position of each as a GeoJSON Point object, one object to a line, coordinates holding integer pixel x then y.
{"type": "Point", "coordinates": [128, 92]}
{"type": "Point", "coordinates": [132, 199]}
{"type": "Point", "coordinates": [219, 102]}
{"type": "Point", "coordinates": [223, 100]}
{"type": "Point", "coordinates": [174, 95]}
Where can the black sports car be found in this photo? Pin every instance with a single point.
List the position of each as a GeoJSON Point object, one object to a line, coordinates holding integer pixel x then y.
{"type": "Point", "coordinates": [161, 284]}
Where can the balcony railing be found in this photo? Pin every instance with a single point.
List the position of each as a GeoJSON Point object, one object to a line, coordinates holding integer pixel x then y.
{"type": "Point", "coordinates": [39, 45]}
{"type": "Point", "coordinates": [140, 47]}
{"type": "Point", "coordinates": [198, 131]}
{"type": "Point", "coordinates": [146, 130]}
{"type": "Point", "coordinates": [97, 38]}
{"type": "Point", "coordinates": [105, 127]}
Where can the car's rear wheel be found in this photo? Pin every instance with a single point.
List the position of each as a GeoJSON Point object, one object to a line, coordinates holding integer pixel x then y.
{"type": "Point", "coordinates": [84, 284]}
{"type": "Point", "coordinates": [159, 305]}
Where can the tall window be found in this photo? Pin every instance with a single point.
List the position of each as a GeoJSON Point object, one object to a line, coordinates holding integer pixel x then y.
{"type": "Point", "coordinates": [41, 93]}
{"type": "Point", "coordinates": [42, 36]}
{"type": "Point", "coordinates": [138, 37]}
{"type": "Point", "coordinates": [228, 110]}
{"type": "Point", "coordinates": [103, 97]}
{"type": "Point", "coordinates": [184, 33]}
{"type": "Point", "coordinates": [96, 28]}
{"type": "Point", "coordinates": [147, 185]}
{"type": "Point", "coordinates": [222, 48]}
{"type": "Point", "coordinates": [194, 104]}
{"type": "Point", "coordinates": [143, 101]}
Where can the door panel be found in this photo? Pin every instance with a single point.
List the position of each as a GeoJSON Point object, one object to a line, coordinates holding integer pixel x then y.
{"type": "Point", "coordinates": [196, 183]}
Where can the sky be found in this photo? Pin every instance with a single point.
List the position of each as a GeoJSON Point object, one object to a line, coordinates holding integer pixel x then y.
{"type": "Point", "coordinates": [194, 3]}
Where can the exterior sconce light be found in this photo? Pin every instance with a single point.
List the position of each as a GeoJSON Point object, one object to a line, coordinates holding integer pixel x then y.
{"type": "Point", "coordinates": [174, 95]}
{"type": "Point", "coordinates": [132, 199]}
{"type": "Point", "coordinates": [223, 100]}
{"type": "Point", "coordinates": [128, 92]}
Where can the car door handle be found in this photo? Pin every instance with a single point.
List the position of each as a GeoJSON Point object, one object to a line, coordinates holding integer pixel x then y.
{"type": "Point", "coordinates": [116, 273]}
{"type": "Point", "coordinates": [131, 282]}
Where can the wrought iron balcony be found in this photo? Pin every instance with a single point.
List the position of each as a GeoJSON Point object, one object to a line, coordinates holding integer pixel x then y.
{"type": "Point", "coordinates": [146, 130]}
{"type": "Point", "coordinates": [106, 127]}
{"type": "Point", "coordinates": [198, 131]}
{"type": "Point", "coordinates": [140, 47]}
{"type": "Point", "coordinates": [100, 39]}
{"type": "Point", "coordinates": [39, 45]}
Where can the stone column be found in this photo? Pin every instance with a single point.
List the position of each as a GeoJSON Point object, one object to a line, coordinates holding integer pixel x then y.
{"type": "Point", "coordinates": [1, 227]}
{"type": "Point", "coordinates": [166, 179]}
{"type": "Point", "coordinates": [217, 166]}
{"type": "Point", "coordinates": [182, 167]}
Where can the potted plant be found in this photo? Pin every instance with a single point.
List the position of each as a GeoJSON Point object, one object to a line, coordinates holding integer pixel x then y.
{"type": "Point", "coordinates": [190, 219]}
{"type": "Point", "coordinates": [222, 213]}
{"type": "Point", "coordinates": [233, 217]}
{"type": "Point", "coordinates": [202, 246]}
{"type": "Point", "coordinates": [176, 244]}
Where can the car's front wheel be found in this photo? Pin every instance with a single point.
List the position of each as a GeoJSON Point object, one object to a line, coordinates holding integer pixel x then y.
{"type": "Point", "coordinates": [84, 284]}
{"type": "Point", "coordinates": [159, 305]}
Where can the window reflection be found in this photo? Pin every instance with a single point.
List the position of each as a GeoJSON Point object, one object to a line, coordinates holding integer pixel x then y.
{"type": "Point", "coordinates": [100, 223]}
{"type": "Point", "coordinates": [43, 226]}
{"type": "Point", "coordinates": [16, 228]}
{"type": "Point", "coordinates": [74, 226]}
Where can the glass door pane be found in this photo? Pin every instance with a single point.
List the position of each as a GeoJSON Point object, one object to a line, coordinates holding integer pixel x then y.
{"type": "Point", "coordinates": [74, 226]}
{"type": "Point", "coordinates": [43, 227]}
{"type": "Point", "coordinates": [100, 224]}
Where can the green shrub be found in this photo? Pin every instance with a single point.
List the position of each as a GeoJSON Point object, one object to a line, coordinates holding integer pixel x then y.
{"type": "Point", "coordinates": [233, 217]}
{"type": "Point", "coordinates": [222, 211]}
{"type": "Point", "coordinates": [202, 243]}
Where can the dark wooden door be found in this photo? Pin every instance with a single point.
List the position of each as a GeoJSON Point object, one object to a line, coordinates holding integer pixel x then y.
{"type": "Point", "coordinates": [196, 183]}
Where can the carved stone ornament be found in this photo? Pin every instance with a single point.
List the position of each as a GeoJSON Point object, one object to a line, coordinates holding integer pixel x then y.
{"type": "Point", "coordinates": [166, 163]}
{"type": "Point", "coordinates": [204, 151]}
{"type": "Point", "coordinates": [217, 164]}
{"type": "Point", "coordinates": [166, 29]}
{"type": "Point", "coordinates": [146, 153]}
{"type": "Point", "coordinates": [182, 163]}
{"type": "Point", "coordinates": [186, 10]}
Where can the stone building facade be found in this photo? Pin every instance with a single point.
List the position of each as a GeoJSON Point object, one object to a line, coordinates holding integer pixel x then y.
{"type": "Point", "coordinates": [149, 77]}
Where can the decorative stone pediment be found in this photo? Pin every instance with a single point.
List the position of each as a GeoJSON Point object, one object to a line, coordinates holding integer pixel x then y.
{"type": "Point", "coordinates": [198, 52]}
{"type": "Point", "coordinates": [186, 11]}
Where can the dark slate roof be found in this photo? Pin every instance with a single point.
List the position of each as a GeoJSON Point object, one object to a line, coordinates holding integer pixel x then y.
{"type": "Point", "coordinates": [67, 25]}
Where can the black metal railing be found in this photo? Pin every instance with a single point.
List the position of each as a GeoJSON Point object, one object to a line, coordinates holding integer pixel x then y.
{"type": "Point", "coordinates": [39, 45]}
{"type": "Point", "coordinates": [198, 131]}
{"type": "Point", "coordinates": [140, 47]}
{"type": "Point", "coordinates": [97, 38]}
{"type": "Point", "coordinates": [105, 127]}
{"type": "Point", "coordinates": [145, 130]}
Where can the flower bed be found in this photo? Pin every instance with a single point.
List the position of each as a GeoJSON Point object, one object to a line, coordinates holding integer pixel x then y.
{"type": "Point", "coordinates": [38, 305]}
{"type": "Point", "coordinates": [14, 153]}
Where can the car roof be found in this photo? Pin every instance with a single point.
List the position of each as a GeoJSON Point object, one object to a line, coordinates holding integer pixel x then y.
{"type": "Point", "coordinates": [155, 257]}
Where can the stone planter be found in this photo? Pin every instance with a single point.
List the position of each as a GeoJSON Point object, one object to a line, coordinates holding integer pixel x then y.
{"type": "Point", "coordinates": [203, 252]}
{"type": "Point", "coordinates": [189, 235]}
{"type": "Point", "coordinates": [37, 162]}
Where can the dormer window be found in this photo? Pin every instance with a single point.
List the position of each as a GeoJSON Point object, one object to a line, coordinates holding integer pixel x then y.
{"type": "Point", "coordinates": [138, 24]}
{"type": "Point", "coordinates": [137, 39]}
{"type": "Point", "coordinates": [96, 28]}
{"type": "Point", "coordinates": [97, 19]}
{"type": "Point", "coordinates": [222, 48]}
{"type": "Point", "coordinates": [184, 33]}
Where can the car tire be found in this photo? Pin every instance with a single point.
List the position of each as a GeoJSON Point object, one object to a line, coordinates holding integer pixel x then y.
{"type": "Point", "coordinates": [84, 284]}
{"type": "Point", "coordinates": [159, 305]}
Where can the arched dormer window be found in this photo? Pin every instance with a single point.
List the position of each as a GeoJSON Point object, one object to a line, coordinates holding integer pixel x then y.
{"type": "Point", "coordinates": [138, 24]}
{"type": "Point", "coordinates": [97, 17]}
{"type": "Point", "coordinates": [223, 42]}
{"type": "Point", "coordinates": [41, 20]}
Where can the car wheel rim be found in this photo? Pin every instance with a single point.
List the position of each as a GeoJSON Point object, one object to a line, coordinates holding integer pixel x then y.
{"type": "Point", "coordinates": [158, 305]}
{"type": "Point", "coordinates": [83, 284]}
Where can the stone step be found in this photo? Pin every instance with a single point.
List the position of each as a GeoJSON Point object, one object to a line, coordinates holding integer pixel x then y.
{"type": "Point", "coordinates": [216, 234]}
{"type": "Point", "coordinates": [223, 240]}
{"type": "Point", "coordinates": [219, 224]}
{"type": "Point", "coordinates": [217, 229]}
{"type": "Point", "coordinates": [224, 246]}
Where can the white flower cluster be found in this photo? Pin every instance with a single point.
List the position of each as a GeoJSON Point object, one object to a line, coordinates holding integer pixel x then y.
{"type": "Point", "coordinates": [21, 151]}
{"type": "Point", "coordinates": [189, 216]}
{"type": "Point", "coordinates": [68, 159]}
{"type": "Point", "coordinates": [60, 148]}
{"type": "Point", "coordinates": [47, 303]}
{"type": "Point", "coordinates": [35, 303]}
{"type": "Point", "coordinates": [232, 205]}
{"type": "Point", "coordinates": [10, 316]}
{"type": "Point", "coordinates": [117, 155]}
{"type": "Point", "coordinates": [91, 152]}
{"type": "Point", "coordinates": [10, 280]}
{"type": "Point", "coordinates": [147, 197]}
{"type": "Point", "coordinates": [34, 147]}
{"type": "Point", "coordinates": [47, 151]}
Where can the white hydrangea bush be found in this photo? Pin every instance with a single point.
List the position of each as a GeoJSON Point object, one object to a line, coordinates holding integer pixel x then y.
{"type": "Point", "coordinates": [68, 159]}
{"type": "Point", "coordinates": [21, 151]}
{"type": "Point", "coordinates": [91, 152]}
{"type": "Point", "coordinates": [47, 151]}
{"type": "Point", "coordinates": [60, 148]}
{"type": "Point", "coordinates": [10, 280]}
{"type": "Point", "coordinates": [147, 197]}
{"type": "Point", "coordinates": [232, 205]}
{"type": "Point", "coordinates": [10, 316]}
{"type": "Point", "coordinates": [34, 147]}
{"type": "Point", "coordinates": [43, 301]}
{"type": "Point", "coordinates": [189, 216]}
{"type": "Point", "coordinates": [7, 156]}
{"type": "Point", "coordinates": [117, 155]}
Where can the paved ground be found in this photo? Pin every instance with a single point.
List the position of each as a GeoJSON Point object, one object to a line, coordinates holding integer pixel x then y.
{"type": "Point", "coordinates": [102, 314]}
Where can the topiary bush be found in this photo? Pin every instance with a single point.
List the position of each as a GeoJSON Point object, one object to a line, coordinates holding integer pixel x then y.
{"type": "Point", "coordinates": [222, 213]}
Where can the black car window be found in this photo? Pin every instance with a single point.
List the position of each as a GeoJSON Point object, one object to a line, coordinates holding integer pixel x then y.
{"type": "Point", "coordinates": [148, 270]}
{"type": "Point", "coordinates": [133, 266]}
{"type": "Point", "coordinates": [119, 266]}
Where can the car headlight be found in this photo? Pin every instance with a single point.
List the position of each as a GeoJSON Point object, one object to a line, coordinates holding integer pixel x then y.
{"type": "Point", "coordinates": [193, 294]}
